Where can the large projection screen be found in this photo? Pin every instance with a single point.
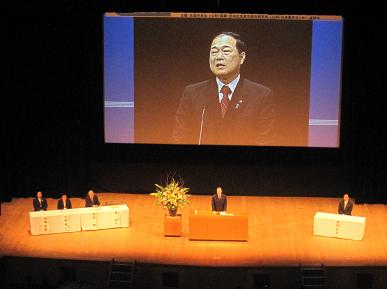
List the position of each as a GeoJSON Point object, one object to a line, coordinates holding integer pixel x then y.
{"type": "Point", "coordinates": [164, 73]}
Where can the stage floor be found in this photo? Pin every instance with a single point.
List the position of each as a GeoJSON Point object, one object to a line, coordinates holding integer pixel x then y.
{"type": "Point", "coordinates": [280, 233]}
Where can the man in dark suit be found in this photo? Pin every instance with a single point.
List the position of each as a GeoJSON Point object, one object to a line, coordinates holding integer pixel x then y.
{"type": "Point", "coordinates": [345, 205]}
{"type": "Point", "coordinates": [228, 109]}
{"type": "Point", "coordinates": [39, 202]}
{"type": "Point", "coordinates": [64, 202]}
{"type": "Point", "coordinates": [219, 201]}
{"type": "Point", "coordinates": [91, 199]}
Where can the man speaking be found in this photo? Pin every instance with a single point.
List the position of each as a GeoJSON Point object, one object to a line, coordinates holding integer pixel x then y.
{"type": "Point", "coordinates": [228, 109]}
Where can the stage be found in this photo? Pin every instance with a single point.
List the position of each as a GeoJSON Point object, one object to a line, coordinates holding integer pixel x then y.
{"type": "Point", "coordinates": [280, 233]}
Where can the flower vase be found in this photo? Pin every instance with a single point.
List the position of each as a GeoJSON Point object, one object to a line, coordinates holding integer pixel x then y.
{"type": "Point", "coordinates": [172, 212]}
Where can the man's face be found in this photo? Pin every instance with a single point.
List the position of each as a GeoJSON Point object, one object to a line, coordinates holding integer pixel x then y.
{"type": "Point", "coordinates": [225, 60]}
{"type": "Point", "coordinates": [346, 197]}
{"type": "Point", "coordinates": [91, 194]}
{"type": "Point", "coordinates": [39, 194]}
{"type": "Point", "coordinates": [219, 190]}
{"type": "Point", "coordinates": [64, 196]}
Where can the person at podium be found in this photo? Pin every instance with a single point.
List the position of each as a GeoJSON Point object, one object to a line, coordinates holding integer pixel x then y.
{"type": "Point", "coordinates": [227, 109]}
{"type": "Point", "coordinates": [91, 199]}
{"type": "Point", "coordinates": [64, 202]}
{"type": "Point", "coordinates": [39, 202]}
{"type": "Point", "coordinates": [219, 201]}
{"type": "Point", "coordinates": [345, 205]}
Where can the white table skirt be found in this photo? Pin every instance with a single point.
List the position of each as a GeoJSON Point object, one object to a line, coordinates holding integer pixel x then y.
{"type": "Point", "coordinates": [73, 220]}
{"type": "Point", "coordinates": [339, 226]}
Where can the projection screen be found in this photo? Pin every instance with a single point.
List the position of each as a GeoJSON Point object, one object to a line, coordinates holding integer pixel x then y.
{"type": "Point", "coordinates": [222, 79]}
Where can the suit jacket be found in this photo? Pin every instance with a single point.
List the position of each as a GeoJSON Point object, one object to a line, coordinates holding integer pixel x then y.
{"type": "Point", "coordinates": [90, 203]}
{"type": "Point", "coordinates": [39, 206]}
{"type": "Point", "coordinates": [347, 210]}
{"type": "Point", "coordinates": [219, 204]}
{"type": "Point", "coordinates": [61, 206]}
{"type": "Point", "coordinates": [249, 119]}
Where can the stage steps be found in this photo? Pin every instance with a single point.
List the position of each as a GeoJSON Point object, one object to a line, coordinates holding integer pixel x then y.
{"type": "Point", "coordinates": [122, 274]}
{"type": "Point", "coordinates": [312, 276]}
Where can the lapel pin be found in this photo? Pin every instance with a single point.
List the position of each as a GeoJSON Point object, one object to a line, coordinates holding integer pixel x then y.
{"type": "Point", "coordinates": [237, 105]}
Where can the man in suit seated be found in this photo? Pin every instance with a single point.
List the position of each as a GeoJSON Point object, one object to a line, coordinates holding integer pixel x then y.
{"type": "Point", "coordinates": [345, 205]}
{"type": "Point", "coordinates": [39, 202]}
{"type": "Point", "coordinates": [219, 201]}
{"type": "Point", "coordinates": [91, 199]}
{"type": "Point", "coordinates": [227, 109]}
{"type": "Point", "coordinates": [64, 202]}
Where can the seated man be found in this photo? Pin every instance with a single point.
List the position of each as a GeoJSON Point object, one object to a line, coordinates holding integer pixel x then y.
{"type": "Point", "coordinates": [39, 202]}
{"type": "Point", "coordinates": [91, 199]}
{"type": "Point", "coordinates": [345, 205]}
{"type": "Point", "coordinates": [64, 202]}
{"type": "Point", "coordinates": [219, 201]}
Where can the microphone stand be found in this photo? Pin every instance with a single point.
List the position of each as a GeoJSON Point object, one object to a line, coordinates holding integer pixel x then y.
{"type": "Point", "coordinates": [201, 126]}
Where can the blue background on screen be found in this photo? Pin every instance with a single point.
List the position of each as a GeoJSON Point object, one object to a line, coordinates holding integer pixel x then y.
{"type": "Point", "coordinates": [325, 85]}
{"type": "Point", "coordinates": [119, 79]}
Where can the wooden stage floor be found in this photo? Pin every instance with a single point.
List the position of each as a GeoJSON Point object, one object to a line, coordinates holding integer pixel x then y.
{"type": "Point", "coordinates": [280, 233]}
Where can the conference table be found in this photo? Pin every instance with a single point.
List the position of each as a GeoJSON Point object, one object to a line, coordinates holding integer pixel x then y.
{"type": "Point", "coordinates": [218, 226]}
{"type": "Point", "coordinates": [339, 226]}
{"type": "Point", "coordinates": [79, 219]}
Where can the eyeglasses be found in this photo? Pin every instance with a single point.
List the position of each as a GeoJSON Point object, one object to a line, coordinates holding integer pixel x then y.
{"type": "Point", "coordinates": [225, 51]}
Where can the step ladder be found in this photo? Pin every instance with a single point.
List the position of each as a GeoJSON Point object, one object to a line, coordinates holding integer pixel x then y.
{"type": "Point", "coordinates": [122, 274]}
{"type": "Point", "coordinates": [312, 276]}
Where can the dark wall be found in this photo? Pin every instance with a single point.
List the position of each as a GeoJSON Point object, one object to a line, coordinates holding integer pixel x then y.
{"type": "Point", "coordinates": [53, 118]}
{"type": "Point", "coordinates": [24, 272]}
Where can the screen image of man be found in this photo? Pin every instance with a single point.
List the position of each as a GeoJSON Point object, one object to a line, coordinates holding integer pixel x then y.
{"type": "Point", "coordinates": [345, 205]}
{"type": "Point", "coordinates": [64, 202]}
{"type": "Point", "coordinates": [91, 199]}
{"type": "Point", "coordinates": [39, 202]}
{"type": "Point", "coordinates": [227, 109]}
{"type": "Point", "coordinates": [219, 201]}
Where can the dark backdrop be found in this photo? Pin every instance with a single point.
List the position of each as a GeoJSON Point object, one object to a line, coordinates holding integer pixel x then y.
{"type": "Point", "coordinates": [53, 117]}
{"type": "Point", "coordinates": [173, 53]}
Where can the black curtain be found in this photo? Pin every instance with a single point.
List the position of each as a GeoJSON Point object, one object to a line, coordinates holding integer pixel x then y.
{"type": "Point", "coordinates": [364, 106]}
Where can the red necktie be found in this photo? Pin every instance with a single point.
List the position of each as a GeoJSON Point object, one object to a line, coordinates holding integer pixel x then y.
{"type": "Point", "coordinates": [225, 100]}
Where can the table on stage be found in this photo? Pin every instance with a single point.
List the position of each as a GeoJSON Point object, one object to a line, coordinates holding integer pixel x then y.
{"type": "Point", "coordinates": [79, 219]}
{"type": "Point", "coordinates": [339, 226]}
{"type": "Point", "coordinates": [218, 227]}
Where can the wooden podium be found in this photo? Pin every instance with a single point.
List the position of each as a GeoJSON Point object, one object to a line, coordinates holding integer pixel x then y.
{"type": "Point", "coordinates": [218, 227]}
{"type": "Point", "coordinates": [172, 225]}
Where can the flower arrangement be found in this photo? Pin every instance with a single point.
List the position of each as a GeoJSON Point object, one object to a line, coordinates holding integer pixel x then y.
{"type": "Point", "coordinates": [172, 195]}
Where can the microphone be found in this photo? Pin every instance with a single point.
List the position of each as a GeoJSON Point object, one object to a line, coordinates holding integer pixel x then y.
{"type": "Point", "coordinates": [201, 126]}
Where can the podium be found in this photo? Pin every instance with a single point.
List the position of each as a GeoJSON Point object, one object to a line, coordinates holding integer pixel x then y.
{"type": "Point", "coordinates": [339, 226]}
{"type": "Point", "coordinates": [218, 227]}
{"type": "Point", "coordinates": [172, 225]}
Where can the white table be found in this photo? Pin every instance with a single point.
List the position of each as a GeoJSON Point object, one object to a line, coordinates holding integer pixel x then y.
{"type": "Point", "coordinates": [339, 226]}
{"type": "Point", "coordinates": [105, 217]}
{"type": "Point", "coordinates": [73, 220]}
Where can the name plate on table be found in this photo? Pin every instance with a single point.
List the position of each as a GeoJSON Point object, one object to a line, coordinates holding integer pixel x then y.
{"type": "Point", "coordinates": [339, 226]}
{"type": "Point", "coordinates": [73, 220]}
